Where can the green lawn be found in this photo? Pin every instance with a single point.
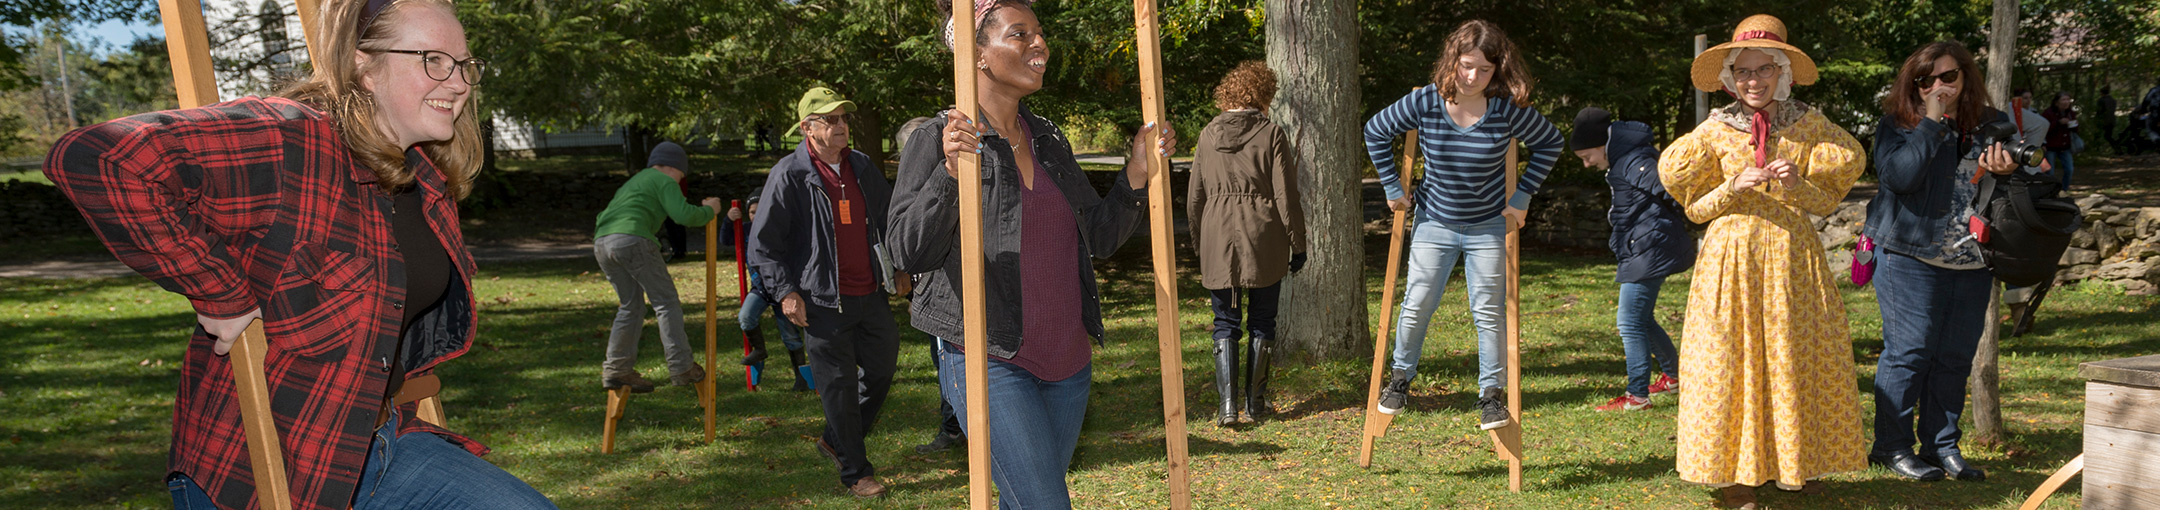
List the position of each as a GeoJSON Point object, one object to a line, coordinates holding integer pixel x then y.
{"type": "Point", "coordinates": [86, 383]}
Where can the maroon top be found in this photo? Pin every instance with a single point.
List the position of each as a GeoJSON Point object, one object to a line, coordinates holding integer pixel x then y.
{"type": "Point", "coordinates": [1054, 345]}
{"type": "Point", "coordinates": [852, 231]}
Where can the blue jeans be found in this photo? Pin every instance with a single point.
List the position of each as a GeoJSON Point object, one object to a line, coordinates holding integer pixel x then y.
{"type": "Point", "coordinates": [753, 314]}
{"type": "Point", "coordinates": [1034, 427]}
{"type": "Point", "coordinates": [1932, 319]}
{"type": "Point", "coordinates": [428, 472]}
{"type": "Point", "coordinates": [1644, 341]}
{"type": "Point", "coordinates": [1434, 248]}
{"type": "Point", "coordinates": [2064, 165]}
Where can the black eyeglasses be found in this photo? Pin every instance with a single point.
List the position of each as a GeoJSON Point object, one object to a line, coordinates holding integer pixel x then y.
{"type": "Point", "coordinates": [1766, 72]}
{"type": "Point", "coordinates": [833, 119]}
{"type": "Point", "coordinates": [1950, 76]}
{"type": "Point", "coordinates": [439, 65]}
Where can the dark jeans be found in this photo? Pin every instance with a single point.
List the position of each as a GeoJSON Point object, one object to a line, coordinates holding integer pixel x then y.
{"type": "Point", "coordinates": [852, 357]}
{"type": "Point", "coordinates": [428, 473]}
{"type": "Point", "coordinates": [1259, 313]}
{"type": "Point", "coordinates": [1932, 319]}
{"type": "Point", "coordinates": [1034, 427]}
{"type": "Point", "coordinates": [948, 421]}
{"type": "Point", "coordinates": [1645, 342]}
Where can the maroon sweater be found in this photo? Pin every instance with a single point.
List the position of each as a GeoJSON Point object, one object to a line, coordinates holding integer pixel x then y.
{"type": "Point", "coordinates": [852, 231]}
{"type": "Point", "coordinates": [1054, 342]}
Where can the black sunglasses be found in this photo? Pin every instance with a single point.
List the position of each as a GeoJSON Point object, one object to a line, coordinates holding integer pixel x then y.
{"type": "Point", "coordinates": [439, 65]}
{"type": "Point", "coordinates": [1950, 76]}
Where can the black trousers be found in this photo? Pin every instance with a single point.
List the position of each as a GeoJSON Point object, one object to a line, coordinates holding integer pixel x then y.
{"type": "Point", "coordinates": [1258, 315]}
{"type": "Point", "coordinates": [852, 355]}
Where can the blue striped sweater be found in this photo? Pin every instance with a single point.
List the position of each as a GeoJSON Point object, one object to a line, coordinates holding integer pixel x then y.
{"type": "Point", "coordinates": [1463, 173]}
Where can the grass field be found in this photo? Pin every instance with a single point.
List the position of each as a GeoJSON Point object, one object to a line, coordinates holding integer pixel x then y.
{"type": "Point", "coordinates": [87, 379]}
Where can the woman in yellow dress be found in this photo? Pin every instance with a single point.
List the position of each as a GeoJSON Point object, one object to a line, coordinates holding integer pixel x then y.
{"type": "Point", "coordinates": [1766, 353]}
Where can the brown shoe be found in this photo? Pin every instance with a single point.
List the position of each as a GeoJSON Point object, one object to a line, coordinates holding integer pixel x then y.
{"type": "Point", "coordinates": [1737, 496]}
{"type": "Point", "coordinates": [634, 380]}
{"type": "Point", "coordinates": [694, 375]}
{"type": "Point", "coordinates": [867, 487]}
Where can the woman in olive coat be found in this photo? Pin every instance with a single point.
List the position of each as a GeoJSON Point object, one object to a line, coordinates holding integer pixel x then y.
{"type": "Point", "coordinates": [1248, 227]}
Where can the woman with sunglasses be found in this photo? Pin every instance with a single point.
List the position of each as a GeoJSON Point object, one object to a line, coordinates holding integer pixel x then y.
{"type": "Point", "coordinates": [328, 212]}
{"type": "Point", "coordinates": [1931, 280]}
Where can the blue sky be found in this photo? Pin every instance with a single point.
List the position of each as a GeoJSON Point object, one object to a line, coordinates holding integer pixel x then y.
{"type": "Point", "coordinates": [114, 34]}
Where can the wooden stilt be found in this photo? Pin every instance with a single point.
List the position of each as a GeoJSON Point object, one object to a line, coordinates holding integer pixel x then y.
{"type": "Point", "coordinates": [751, 374]}
{"type": "Point", "coordinates": [252, 387]}
{"type": "Point", "coordinates": [709, 388]}
{"type": "Point", "coordinates": [1163, 238]}
{"type": "Point", "coordinates": [1376, 422]}
{"type": "Point", "coordinates": [2054, 483]}
{"type": "Point", "coordinates": [187, 40]}
{"type": "Point", "coordinates": [974, 314]}
{"type": "Point", "coordinates": [617, 399]}
{"type": "Point", "coordinates": [1507, 441]}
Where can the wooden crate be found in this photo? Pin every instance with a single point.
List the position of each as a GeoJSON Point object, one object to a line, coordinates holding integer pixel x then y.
{"type": "Point", "coordinates": [2122, 433]}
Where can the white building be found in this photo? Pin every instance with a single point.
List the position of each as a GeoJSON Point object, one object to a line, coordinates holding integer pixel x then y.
{"type": "Point", "coordinates": [257, 46]}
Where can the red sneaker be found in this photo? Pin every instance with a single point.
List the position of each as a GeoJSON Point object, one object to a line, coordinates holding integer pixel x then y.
{"type": "Point", "coordinates": [1626, 402]}
{"type": "Point", "coordinates": [1665, 384]}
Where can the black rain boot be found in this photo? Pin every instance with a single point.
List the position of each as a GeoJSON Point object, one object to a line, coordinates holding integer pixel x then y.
{"type": "Point", "coordinates": [796, 360]}
{"type": "Point", "coordinates": [756, 338]}
{"type": "Point", "coordinates": [1259, 359]}
{"type": "Point", "coordinates": [1226, 380]}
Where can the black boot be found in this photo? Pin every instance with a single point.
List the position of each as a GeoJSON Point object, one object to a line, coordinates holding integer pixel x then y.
{"type": "Point", "coordinates": [1259, 361]}
{"type": "Point", "coordinates": [756, 339]}
{"type": "Point", "coordinates": [1226, 379]}
{"type": "Point", "coordinates": [796, 360]}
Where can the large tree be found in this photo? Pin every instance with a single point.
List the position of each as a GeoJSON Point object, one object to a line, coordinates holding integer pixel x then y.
{"type": "Point", "coordinates": [1313, 46]}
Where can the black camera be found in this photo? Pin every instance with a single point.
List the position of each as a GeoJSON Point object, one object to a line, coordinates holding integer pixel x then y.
{"type": "Point", "coordinates": [2006, 133]}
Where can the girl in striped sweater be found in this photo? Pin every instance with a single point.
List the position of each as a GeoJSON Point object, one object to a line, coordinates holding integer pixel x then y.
{"type": "Point", "coordinates": [1479, 102]}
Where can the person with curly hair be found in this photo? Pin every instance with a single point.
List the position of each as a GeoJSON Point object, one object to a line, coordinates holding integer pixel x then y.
{"type": "Point", "coordinates": [1249, 229]}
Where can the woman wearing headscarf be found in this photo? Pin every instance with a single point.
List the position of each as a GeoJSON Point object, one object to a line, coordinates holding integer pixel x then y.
{"type": "Point", "coordinates": [1766, 350]}
{"type": "Point", "coordinates": [1042, 224]}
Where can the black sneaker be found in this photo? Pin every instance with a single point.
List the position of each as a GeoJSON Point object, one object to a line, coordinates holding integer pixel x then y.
{"type": "Point", "coordinates": [1395, 394]}
{"type": "Point", "coordinates": [940, 441]}
{"type": "Point", "coordinates": [1492, 410]}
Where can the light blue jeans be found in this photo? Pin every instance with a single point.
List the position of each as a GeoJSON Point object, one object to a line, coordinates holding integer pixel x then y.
{"type": "Point", "coordinates": [1034, 427]}
{"type": "Point", "coordinates": [753, 313]}
{"type": "Point", "coordinates": [427, 473]}
{"type": "Point", "coordinates": [1434, 248]}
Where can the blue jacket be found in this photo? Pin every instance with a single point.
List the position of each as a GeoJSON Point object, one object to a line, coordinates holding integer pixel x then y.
{"type": "Point", "coordinates": [791, 241]}
{"type": "Point", "coordinates": [1650, 234]}
{"type": "Point", "coordinates": [1917, 169]}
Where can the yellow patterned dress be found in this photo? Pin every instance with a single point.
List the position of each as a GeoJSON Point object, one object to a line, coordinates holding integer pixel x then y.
{"type": "Point", "coordinates": [1766, 355]}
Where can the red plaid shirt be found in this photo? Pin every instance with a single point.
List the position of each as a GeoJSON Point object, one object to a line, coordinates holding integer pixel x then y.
{"type": "Point", "coordinates": [256, 203]}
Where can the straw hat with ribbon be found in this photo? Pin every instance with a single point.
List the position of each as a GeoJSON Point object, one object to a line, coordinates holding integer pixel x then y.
{"type": "Point", "coordinates": [1758, 31]}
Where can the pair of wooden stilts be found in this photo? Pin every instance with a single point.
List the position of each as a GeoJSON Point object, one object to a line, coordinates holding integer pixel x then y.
{"type": "Point", "coordinates": [1507, 441]}
{"type": "Point", "coordinates": [618, 399]}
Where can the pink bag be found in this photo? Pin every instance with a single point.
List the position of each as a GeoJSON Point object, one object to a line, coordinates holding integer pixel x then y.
{"type": "Point", "coordinates": [1863, 262]}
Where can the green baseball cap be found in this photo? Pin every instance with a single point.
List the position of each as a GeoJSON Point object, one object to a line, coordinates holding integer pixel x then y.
{"type": "Point", "coordinates": [818, 101]}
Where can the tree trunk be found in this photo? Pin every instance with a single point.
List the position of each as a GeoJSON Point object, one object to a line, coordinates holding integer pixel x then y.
{"type": "Point", "coordinates": [866, 133]}
{"type": "Point", "coordinates": [1984, 384]}
{"type": "Point", "coordinates": [1986, 375]}
{"type": "Point", "coordinates": [2002, 52]}
{"type": "Point", "coordinates": [1312, 46]}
